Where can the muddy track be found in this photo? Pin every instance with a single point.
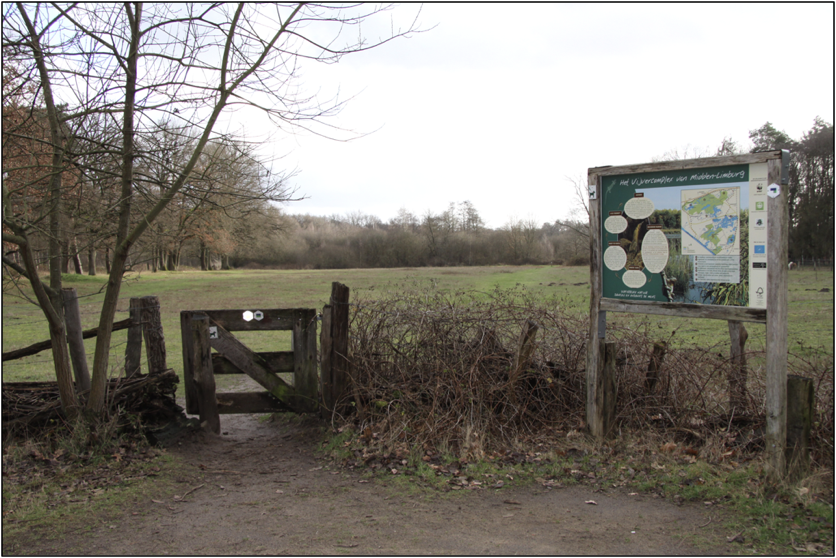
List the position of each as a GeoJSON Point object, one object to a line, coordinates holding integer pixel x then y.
{"type": "Point", "coordinates": [260, 488]}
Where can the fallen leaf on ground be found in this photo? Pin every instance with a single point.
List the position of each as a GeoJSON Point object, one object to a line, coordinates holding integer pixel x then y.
{"type": "Point", "coordinates": [593, 502]}
{"type": "Point", "coordinates": [512, 502]}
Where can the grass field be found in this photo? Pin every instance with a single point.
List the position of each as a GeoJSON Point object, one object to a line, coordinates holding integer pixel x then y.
{"type": "Point", "coordinates": [811, 296]}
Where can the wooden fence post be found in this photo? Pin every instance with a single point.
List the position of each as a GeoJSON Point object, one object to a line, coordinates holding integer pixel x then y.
{"type": "Point", "coordinates": [800, 410]}
{"type": "Point", "coordinates": [738, 373]}
{"type": "Point", "coordinates": [72, 319]}
{"type": "Point", "coordinates": [189, 385]}
{"type": "Point", "coordinates": [304, 363]}
{"type": "Point", "coordinates": [152, 329]}
{"type": "Point", "coordinates": [326, 383]}
{"type": "Point", "coordinates": [204, 374]}
{"type": "Point", "coordinates": [133, 349]}
{"type": "Point", "coordinates": [340, 365]}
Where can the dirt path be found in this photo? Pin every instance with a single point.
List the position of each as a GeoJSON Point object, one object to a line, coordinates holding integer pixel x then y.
{"type": "Point", "coordinates": [260, 489]}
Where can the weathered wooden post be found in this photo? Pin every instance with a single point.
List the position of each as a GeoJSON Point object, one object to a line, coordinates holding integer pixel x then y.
{"type": "Point", "coordinates": [189, 385]}
{"type": "Point", "coordinates": [800, 410]}
{"type": "Point", "coordinates": [304, 363]}
{"type": "Point", "coordinates": [152, 328]}
{"type": "Point", "coordinates": [204, 376]}
{"type": "Point", "coordinates": [602, 422]}
{"type": "Point", "coordinates": [326, 381]}
{"type": "Point", "coordinates": [72, 319]}
{"type": "Point", "coordinates": [738, 374]}
{"type": "Point", "coordinates": [133, 349]}
{"type": "Point", "coordinates": [340, 366]}
{"type": "Point", "coordinates": [776, 322]}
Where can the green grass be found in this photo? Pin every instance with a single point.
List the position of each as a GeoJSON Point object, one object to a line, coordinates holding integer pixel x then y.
{"type": "Point", "coordinates": [810, 311]}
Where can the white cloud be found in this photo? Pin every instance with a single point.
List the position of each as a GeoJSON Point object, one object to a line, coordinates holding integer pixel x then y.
{"type": "Point", "coordinates": [500, 102]}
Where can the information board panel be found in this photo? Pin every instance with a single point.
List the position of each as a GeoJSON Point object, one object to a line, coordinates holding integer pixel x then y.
{"type": "Point", "coordinates": [696, 236]}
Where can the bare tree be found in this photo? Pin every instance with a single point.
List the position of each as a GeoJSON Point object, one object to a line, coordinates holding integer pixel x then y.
{"type": "Point", "coordinates": [578, 218]}
{"type": "Point", "coordinates": [142, 63]}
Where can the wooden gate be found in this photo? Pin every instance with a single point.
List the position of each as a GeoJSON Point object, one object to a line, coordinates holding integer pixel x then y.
{"type": "Point", "coordinates": [205, 330]}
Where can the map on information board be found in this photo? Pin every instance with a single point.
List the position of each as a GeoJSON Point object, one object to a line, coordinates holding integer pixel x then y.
{"type": "Point", "coordinates": [711, 222]}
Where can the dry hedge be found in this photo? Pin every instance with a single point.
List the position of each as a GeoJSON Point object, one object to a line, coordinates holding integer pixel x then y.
{"type": "Point", "coordinates": [432, 368]}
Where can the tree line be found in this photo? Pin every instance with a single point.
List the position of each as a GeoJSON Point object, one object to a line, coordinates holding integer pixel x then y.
{"type": "Point", "coordinates": [454, 237]}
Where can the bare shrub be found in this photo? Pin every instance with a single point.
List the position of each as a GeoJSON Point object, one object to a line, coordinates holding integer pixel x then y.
{"type": "Point", "coordinates": [435, 369]}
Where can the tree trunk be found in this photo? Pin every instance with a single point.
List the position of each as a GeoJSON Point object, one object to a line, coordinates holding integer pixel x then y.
{"type": "Point", "coordinates": [75, 339]}
{"type": "Point", "coordinates": [96, 401]}
{"type": "Point", "coordinates": [57, 333]}
{"type": "Point", "coordinates": [202, 251]}
{"type": "Point", "coordinates": [76, 257]}
{"type": "Point", "coordinates": [107, 260]}
{"type": "Point", "coordinates": [225, 262]}
{"type": "Point", "coordinates": [171, 263]}
{"type": "Point", "coordinates": [91, 261]}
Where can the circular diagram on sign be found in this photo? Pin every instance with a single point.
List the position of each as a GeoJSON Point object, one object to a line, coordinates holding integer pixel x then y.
{"type": "Point", "coordinates": [655, 251]}
{"type": "Point", "coordinates": [639, 208]}
{"type": "Point", "coordinates": [615, 257]}
{"type": "Point", "coordinates": [615, 224]}
{"type": "Point", "coordinates": [634, 279]}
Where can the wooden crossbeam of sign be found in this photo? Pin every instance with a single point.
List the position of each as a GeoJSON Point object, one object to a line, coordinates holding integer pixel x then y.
{"type": "Point", "coordinates": [248, 362]}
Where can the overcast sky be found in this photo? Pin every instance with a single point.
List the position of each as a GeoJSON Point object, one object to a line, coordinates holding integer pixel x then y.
{"type": "Point", "coordinates": [503, 104]}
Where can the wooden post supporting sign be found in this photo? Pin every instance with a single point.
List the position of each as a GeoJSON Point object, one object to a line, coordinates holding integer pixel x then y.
{"type": "Point", "coordinates": [776, 323]}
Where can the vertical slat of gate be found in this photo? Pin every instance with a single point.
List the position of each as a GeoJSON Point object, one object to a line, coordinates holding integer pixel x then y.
{"type": "Point", "coordinates": [339, 344]}
{"type": "Point", "coordinates": [304, 365]}
{"type": "Point", "coordinates": [204, 375]}
{"type": "Point", "coordinates": [189, 385]}
{"type": "Point", "coordinates": [326, 381]}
